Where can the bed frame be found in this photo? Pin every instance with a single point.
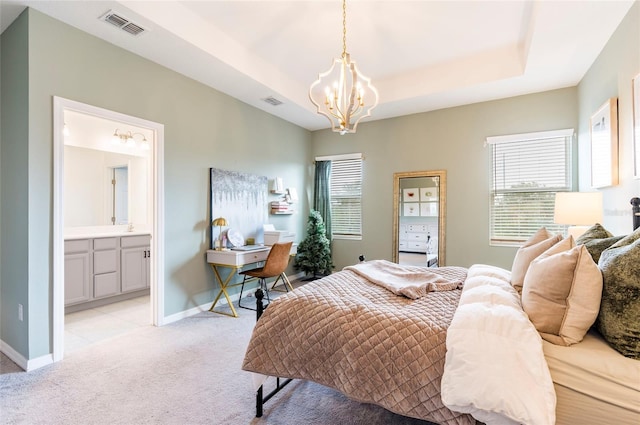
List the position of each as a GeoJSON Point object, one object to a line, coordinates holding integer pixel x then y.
{"type": "Point", "coordinates": [280, 384]}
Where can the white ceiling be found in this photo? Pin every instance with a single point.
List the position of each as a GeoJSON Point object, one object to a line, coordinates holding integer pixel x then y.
{"type": "Point", "coordinates": [420, 55]}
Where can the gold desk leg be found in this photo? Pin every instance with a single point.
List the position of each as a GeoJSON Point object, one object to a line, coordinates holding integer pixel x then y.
{"type": "Point", "coordinates": [223, 290]}
{"type": "Point", "coordinates": [285, 278]}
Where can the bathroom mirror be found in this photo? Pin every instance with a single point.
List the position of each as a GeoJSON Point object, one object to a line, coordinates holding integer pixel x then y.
{"type": "Point", "coordinates": [104, 188]}
{"type": "Point", "coordinates": [419, 205]}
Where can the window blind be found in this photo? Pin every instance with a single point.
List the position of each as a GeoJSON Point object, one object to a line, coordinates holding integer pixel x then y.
{"type": "Point", "coordinates": [526, 174]}
{"type": "Point", "coordinates": [346, 198]}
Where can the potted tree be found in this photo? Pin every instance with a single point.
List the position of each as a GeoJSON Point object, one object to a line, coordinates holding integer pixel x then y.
{"type": "Point", "coordinates": [314, 254]}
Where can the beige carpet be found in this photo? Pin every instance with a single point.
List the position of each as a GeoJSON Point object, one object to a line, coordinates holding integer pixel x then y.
{"type": "Point", "coordinates": [186, 372]}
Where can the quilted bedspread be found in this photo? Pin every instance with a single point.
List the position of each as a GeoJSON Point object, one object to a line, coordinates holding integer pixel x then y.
{"type": "Point", "coordinates": [359, 338]}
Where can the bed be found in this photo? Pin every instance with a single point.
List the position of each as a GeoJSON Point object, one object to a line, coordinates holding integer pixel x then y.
{"type": "Point", "coordinates": [441, 357]}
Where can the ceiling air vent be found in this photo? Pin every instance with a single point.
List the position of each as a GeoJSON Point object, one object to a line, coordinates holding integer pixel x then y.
{"type": "Point", "coordinates": [272, 101]}
{"type": "Point", "coordinates": [123, 23]}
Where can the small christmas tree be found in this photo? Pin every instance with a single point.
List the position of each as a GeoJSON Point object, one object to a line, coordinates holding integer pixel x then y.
{"type": "Point", "coordinates": [314, 253]}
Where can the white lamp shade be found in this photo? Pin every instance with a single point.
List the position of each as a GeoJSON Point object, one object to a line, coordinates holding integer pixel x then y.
{"type": "Point", "coordinates": [578, 208]}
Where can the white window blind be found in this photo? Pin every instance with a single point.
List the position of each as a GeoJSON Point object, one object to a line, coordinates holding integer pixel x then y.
{"type": "Point", "coordinates": [527, 171]}
{"type": "Point", "coordinates": [346, 198]}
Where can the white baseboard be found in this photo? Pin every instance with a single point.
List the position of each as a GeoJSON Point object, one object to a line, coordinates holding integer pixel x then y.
{"type": "Point", "coordinates": [222, 301]}
{"type": "Point", "coordinates": [20, 360]}
{"type": "Point", "coordinates": [47, 359]}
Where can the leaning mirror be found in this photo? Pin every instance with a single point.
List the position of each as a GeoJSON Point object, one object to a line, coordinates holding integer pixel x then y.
{"type": "Point", "coordinates": [419, 205]}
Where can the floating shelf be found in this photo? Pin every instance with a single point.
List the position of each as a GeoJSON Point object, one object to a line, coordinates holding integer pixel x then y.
{"type": "Point", "coordinates": [282, 212]}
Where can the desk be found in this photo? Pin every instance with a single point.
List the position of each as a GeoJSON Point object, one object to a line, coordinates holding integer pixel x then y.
{"type": "Point", "coordinates": [236, 260]}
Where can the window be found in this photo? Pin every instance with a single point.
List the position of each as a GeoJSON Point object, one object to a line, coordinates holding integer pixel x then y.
{"type": "Point", "coordinates": [346, 195]}
{"type": "Point", "coordinates": [526, 172]}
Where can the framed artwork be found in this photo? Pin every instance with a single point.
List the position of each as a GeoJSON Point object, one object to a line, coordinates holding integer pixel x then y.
{"type": "Point", "coordinates": [428, 194]}
{"type": "Point", "coordinates": [241, 198]}
{"type": "Point", "coordinates": [411, 209]}
{"type": "Point", "coordinates": [410, 195]}
{"type": "Point", "coordinates": [604, 145]}
{"type": "Point", "coordinates": [429, 209]}
{"type": "Point", "coordinates": [636, 126]}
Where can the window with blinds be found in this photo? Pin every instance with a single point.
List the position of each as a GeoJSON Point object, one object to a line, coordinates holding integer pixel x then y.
{"type": "Point", "coordinates": [346, 198]}
{"type": "Point", "coordinates": [527, 171]}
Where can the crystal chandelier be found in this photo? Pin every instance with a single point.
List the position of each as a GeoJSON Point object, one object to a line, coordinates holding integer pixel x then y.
{"type": "Point", "coordinates": [343, 94]}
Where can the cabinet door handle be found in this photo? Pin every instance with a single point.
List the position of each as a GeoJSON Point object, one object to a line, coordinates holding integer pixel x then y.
{"type": "Point", "coordinates": [145, 254]}
{"type": "Point", "coordinates": [148, 254]}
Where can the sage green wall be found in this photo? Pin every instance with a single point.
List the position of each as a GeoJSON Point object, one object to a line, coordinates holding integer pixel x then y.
{"type": "Point", "coordinates": [14, 184]}
{"type": "Point", "coordinates": [203, 128]}
{"type": "Point", "coordinates": [610, 76]}
{"type": "Point", "coordinates": [449, 139]}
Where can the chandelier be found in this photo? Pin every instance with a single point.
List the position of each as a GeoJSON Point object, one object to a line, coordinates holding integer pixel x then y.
{"type": "Point", "coordinates": [343, 94]}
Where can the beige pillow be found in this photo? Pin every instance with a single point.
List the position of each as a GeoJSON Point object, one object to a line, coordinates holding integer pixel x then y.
{"type": "Point", "coordinates": [562, 291]}
{"type": "Point", "coordinates": [534, 246]}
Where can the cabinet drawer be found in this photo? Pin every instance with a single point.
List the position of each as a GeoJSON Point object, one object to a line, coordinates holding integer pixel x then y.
{"type": "Point", "coordinates": [131, 241]}
{"type": "Point", "coordinates": [104, 262]}
{"type": "Point", "coordinates": [417, 237]}
{"type": "Point", "coordinates": [417, 228]}
{"type": "Point", "coordinates": [74, 246]}
{"type": "Point", "coordinates": [105, 285]}
{"type": "Point", "coordinates": [417, 245]}
{"type": "Point", "coordinates": [105, 243]}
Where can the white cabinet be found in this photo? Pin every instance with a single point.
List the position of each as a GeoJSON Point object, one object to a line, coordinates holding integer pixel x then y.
{"type": "Point", "coordinates": [418, 238]}
{"type": "Point", "coordinates": [135, 255]}
{"type": "Point", "coordinates": [101, 270]}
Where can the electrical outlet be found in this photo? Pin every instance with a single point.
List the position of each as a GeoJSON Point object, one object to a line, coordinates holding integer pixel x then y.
{"type": "Point", "coordinates": [20, 313]}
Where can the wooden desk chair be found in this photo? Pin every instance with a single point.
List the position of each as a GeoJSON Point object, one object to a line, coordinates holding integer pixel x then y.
{"type": "Point", "coordinates": [274, 266]}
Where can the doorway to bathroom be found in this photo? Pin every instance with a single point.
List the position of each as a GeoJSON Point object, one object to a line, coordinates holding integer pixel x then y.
{"type": "Point", "coordinates": [108, 224]}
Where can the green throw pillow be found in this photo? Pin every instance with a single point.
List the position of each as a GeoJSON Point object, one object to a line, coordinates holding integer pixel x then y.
{"type": "Point", "coordinates": [594, 232]}
{"type": "Point", "coordinates": [619, 317]}
{"type": "Point", "coordinates": [597, 246]}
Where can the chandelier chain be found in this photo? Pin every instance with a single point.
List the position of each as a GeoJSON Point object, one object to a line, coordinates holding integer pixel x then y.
{"type": "Point", "coordinates": [344, 28]}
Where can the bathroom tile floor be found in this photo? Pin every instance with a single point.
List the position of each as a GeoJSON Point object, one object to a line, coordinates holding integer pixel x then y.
{"type": "Point", "coordinates": [87, 327]}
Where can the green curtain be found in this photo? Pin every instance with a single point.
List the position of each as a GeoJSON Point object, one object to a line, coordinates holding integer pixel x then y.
{"type": "Point", "coordinates": [322, 193]}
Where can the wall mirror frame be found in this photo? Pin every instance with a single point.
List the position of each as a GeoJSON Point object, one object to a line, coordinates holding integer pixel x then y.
{"type": "Point", "coordinates": [399, 182]}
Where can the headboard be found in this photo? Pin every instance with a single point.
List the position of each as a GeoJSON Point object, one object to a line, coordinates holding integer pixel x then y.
{"type": "Point", "coordinates": [636, 212]}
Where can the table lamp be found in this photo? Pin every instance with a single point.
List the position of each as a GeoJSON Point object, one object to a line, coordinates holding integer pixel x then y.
{"type": "Point", "coordinates": [580, 210]}
{"type": "Point", "coordinates": [220, 221]}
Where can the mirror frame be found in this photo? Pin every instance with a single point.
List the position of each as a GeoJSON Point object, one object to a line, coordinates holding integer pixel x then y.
{"type": "Point", "coordinates": [442, 208]}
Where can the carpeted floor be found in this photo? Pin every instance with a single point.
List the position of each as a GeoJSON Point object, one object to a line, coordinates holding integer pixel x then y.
{"type": "Point", "coordinates": [187, 372]}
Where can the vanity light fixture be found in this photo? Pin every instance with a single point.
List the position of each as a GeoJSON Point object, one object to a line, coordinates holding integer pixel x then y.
{"type": "Point", "coordinates": [128, 139]}
{"type": "Point", "coordinates": [344, 104]}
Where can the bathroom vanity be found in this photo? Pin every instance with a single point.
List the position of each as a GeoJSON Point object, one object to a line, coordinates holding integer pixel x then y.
{"type": "Point", "coordinates": [103, 268]}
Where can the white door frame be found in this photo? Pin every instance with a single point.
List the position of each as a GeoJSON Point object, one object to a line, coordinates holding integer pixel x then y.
{"type": "Point", "coordinates": [157, 195]}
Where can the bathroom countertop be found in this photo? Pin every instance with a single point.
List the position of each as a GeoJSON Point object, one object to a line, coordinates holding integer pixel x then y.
{"type": "Point", "coordinates": [103, 234]}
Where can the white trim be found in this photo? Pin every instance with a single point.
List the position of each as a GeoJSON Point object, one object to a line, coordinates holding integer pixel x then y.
{"type": "Point", "coordinates": [157, 240]}
{"type": "Point", "coordinates": [205, 307]}
{"type": "Point", "coordinates": [541, 135]}
{"type": "Point", "coordinates": [338, 157]}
